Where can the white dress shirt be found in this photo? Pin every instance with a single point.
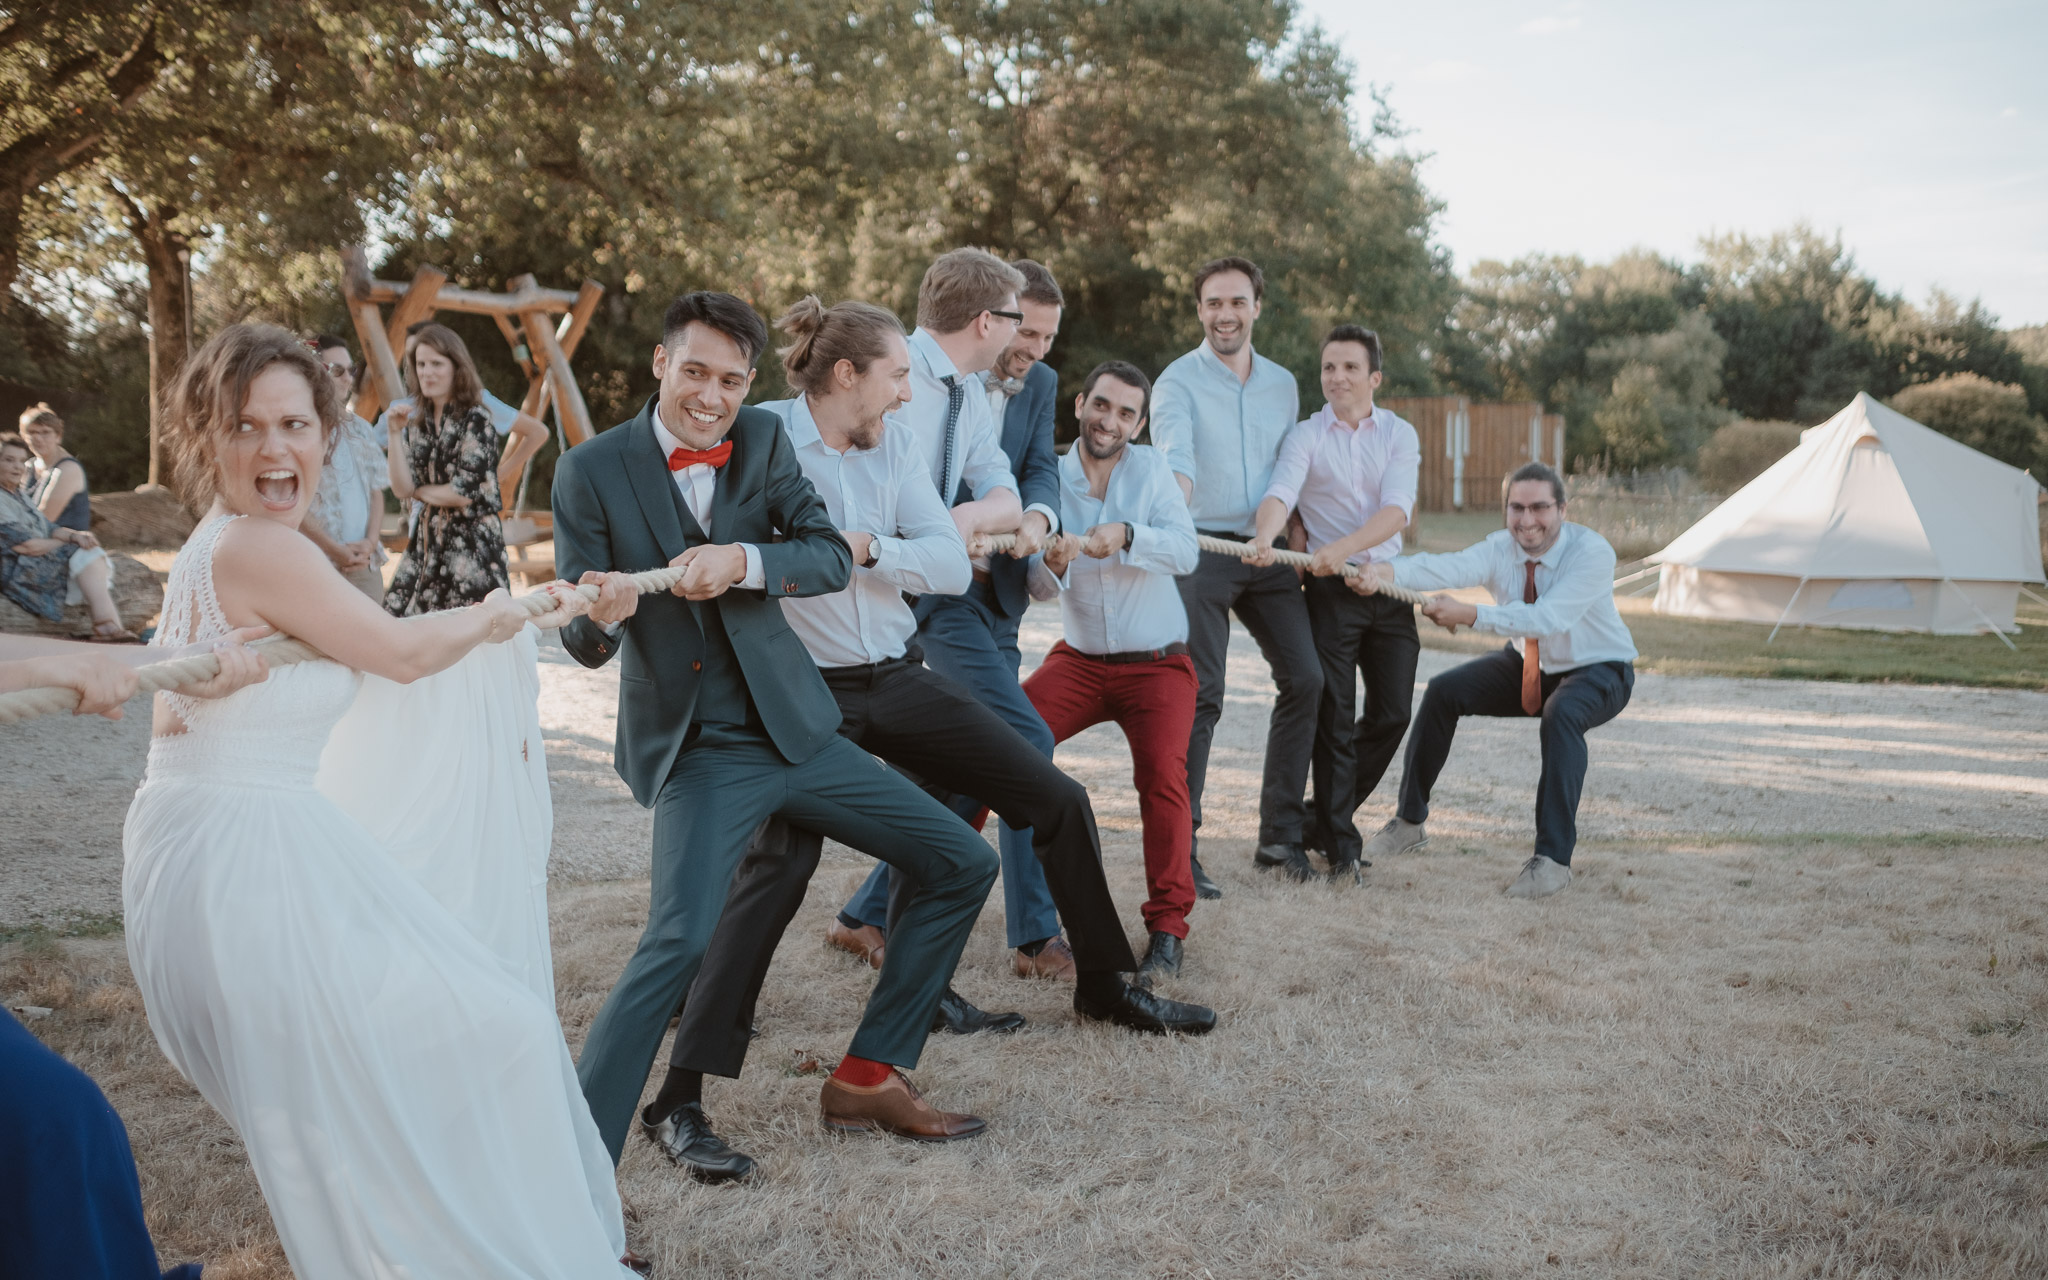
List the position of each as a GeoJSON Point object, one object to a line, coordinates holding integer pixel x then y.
{"type": "Point", "coordinates": [1339, 475]}
{"type": "Point", "coordinates": [1127, 603]}
{"type": "Point", "coordinates": [1223, 434]}
{"type": "Point", "coordinates": [884, 491]}
{"type": "Point", "coordinates": [1574, 616]}
{"type": "Point", "coordinates": [696, 483]}
{"type": "Point", "coordinates": [977, 455]}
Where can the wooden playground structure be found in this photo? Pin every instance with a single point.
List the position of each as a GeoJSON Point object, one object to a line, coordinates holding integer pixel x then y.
{"type": "Point", "coordinates": [540, 344]}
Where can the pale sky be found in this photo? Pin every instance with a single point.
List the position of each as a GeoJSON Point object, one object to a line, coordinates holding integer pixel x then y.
{"type": "Point", "coordinates": [1918, 131]}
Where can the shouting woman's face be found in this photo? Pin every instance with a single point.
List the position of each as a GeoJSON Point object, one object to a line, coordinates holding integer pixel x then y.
{"type": "Point", "coordinates": [269, 461]}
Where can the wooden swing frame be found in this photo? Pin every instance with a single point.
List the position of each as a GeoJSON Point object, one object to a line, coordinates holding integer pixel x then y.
{"type": "Point", "coordinates": [523, 314]}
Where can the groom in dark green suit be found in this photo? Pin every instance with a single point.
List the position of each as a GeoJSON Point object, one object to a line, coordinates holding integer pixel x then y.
{"type": "Point", "coordinates": [724, 720]}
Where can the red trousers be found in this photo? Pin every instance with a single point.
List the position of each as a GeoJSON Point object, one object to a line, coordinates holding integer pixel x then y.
{"type": "Point", "coordinates": [1154, 704]}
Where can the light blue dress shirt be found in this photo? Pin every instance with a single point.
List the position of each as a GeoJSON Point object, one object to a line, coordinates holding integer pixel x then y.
{"type": "Point", "coordinates": [884, 491]}
{"type": "Point", "coordinates": [1223, 434]}
{"type": "Point", "coordinates": [1574, 618]}
{"type": "Point", "coordinates": [977, 455]}
{"type": "Point", "coordinates": [1126, 603]}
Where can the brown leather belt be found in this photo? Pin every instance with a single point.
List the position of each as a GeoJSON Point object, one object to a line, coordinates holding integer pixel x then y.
{"type": "Point", "coordinates": [1176, 649]}
{"type": "Point", "coordinates": [983, 576]}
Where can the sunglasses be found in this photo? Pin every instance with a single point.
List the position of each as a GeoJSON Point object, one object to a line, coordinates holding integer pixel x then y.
{"type": "Point", "coordinates": [339, 370]}
{"type": "Point", "coordinates": [1016, 317]}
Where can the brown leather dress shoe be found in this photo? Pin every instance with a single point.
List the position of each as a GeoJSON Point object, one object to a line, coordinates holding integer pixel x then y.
{"type": "Point", "coordinates": [1055, 961]}
{"type": "Point", "coordinates": [893, 1106]}
{"type": "Point", "coordinates": [865, 942]}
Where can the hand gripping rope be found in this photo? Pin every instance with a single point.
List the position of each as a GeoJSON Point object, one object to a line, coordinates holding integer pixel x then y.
{"type": "Point", "coordinates": [1242, 550]}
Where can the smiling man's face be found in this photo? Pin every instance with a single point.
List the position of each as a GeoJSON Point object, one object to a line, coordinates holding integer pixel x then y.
{"type": "Point", "coordinates": [704, 380]}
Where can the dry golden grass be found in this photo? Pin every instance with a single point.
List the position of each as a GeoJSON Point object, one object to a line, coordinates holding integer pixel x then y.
{"type": "Point", "coordinates": [1811, 1057]}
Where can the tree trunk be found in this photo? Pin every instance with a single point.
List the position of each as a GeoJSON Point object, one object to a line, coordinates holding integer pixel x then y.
{"type": "Point", "coordinates": [166, 254]}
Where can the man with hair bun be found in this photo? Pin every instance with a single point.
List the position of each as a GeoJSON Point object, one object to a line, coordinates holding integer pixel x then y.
{"type": "Point", "coordinates": [849, 366]}
{"type": "Point", "coordinates": [977, 314]}
{"type": "Point", "coordinates": [1569, 661]}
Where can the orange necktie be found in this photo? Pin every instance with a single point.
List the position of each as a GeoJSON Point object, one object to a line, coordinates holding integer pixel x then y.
{"type": "Point", "coordinates": [1532, 663]}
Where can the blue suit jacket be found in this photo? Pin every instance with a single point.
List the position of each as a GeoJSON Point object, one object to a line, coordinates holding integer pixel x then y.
{"type": "Point", "coordinates": [616, 509]}
{"type": "Point", "coordinates": [1027, 443]}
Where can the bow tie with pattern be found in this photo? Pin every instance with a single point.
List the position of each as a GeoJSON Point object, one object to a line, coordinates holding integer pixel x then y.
{"type": "Point", "coordinates": [1008, 386]}
{"type": "Point", "coordinates": [713, 457]}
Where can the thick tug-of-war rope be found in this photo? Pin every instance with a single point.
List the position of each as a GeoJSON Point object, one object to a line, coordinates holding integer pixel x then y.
{"type": "Point", "coordinates": [283, 651]}
{"type": "Point", "coordinates": [277, 651]}
{"type": "Point", "coordinates": [1243, 550]}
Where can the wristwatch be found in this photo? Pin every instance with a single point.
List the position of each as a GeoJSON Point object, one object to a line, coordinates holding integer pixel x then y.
{"type": "Point", "coordinates": [1130, 535]}
{"type": "Point", "coordinates": [873, 554]}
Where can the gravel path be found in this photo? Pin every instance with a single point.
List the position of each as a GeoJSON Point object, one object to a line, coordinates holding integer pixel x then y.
{"type": "Point", "coordinates": [1692, 757]}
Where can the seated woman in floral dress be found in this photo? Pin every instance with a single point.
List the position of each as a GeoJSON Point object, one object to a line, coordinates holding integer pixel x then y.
{"type": "Point", "coordinates": [45, 566]}
{"type": "Point", "coordinates": [445, 464]}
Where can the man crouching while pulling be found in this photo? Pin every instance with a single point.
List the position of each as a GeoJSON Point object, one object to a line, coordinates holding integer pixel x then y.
{"type": "Point", "coordinates": [1570, 661]}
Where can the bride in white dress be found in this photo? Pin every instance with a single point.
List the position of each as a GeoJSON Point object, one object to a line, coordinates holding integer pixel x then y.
{"type": "Point", "coordinates": [405, 1096]}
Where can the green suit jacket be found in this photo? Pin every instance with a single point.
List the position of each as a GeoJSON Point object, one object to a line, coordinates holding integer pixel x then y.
{"type": "Point", "coordinates": [616, 509]}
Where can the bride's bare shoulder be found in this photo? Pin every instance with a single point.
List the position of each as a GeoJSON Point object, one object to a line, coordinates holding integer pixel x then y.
{"type": "Point", "coordinates": [264, 546]}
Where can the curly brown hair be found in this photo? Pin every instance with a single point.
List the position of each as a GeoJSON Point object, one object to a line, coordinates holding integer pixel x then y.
{"type": "Point", "coordinates": [206, 401]}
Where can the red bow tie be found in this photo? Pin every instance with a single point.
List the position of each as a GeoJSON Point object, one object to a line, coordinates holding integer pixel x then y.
{"type": "Point", "coordinates": [713, 457]}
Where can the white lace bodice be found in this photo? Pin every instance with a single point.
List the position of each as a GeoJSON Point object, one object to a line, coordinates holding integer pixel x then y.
{"type": "Point", "coordinates": [269, 734]}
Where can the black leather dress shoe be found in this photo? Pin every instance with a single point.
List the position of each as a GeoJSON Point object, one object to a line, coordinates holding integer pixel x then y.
{"type": "Point", "coordinates": [954, 1014]}
{"type": "Point", "coordinates": [1204, 886]}
{"type": "Point", "coordinates": [1162, 960]}
{"type": "Point", "coordinates": [1291, 859]}
{"type": "Point", "coordinates": [1140, 1010]}
{"type": "Point", "coordinates": [685, 1137]}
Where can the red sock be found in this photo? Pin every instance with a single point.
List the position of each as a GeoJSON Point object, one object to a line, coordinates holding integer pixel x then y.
{"type": "Point", "coordinates": [862, 1072]}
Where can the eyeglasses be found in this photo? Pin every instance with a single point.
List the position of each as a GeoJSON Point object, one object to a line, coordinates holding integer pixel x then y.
{"type": "Point", "coordinates": [1533, 509]}
{"type": "Point", "coordinates": [1014, 317]}
{"type": "Point", "coordinates": [339, 370]}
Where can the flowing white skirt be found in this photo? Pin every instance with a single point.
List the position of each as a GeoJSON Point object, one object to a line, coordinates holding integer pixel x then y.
{"type": "Point", "coordinates": [448, 776]}
{"type": "Point", "coordinates": [403, 1090]}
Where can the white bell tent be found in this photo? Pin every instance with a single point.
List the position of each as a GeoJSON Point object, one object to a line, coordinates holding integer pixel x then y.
{"type": "Point", "coordinates": [1873, 522]}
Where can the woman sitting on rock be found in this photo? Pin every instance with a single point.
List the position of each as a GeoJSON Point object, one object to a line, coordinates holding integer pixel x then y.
{"type": "Point", "coordinates": [45, 566]}
{"type": "Point", "coordinates": [56, 479]}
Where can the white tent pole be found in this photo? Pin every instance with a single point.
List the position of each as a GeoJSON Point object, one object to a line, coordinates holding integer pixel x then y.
{"type": "Point", "coordinates": [1640, 574]}
{"type": "Point", "coordinates": [1949, 582]}
{"type": "Point", "coordinates": [1788, 610]}
{"type": "Point", "coordinates": [2033, 595]}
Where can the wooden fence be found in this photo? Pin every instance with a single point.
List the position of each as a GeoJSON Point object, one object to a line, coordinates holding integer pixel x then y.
{"type": "Point", "coordinates": [1467, 448]}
